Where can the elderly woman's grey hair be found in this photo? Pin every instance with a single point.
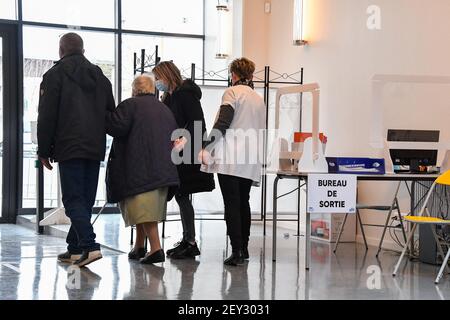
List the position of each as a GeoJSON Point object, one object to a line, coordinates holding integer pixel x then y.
{"type": "Point", "coordinates": [143, 85]}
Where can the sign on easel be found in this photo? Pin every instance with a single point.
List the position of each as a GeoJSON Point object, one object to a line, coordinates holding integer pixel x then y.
{"type": "Point", "coordinates": [331, 193]}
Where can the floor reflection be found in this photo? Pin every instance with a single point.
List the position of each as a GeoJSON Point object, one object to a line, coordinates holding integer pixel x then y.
{"type": "Point", "coordinates": [146, 280]}
{"type": "Point", "coordinates": [29, 270]}
{"type": "Point", "coordinates": [235, 283]}
{"type": "Point", "coordinates": [187, 271]}
{"type": "Point", "coordinates": [81, 281]}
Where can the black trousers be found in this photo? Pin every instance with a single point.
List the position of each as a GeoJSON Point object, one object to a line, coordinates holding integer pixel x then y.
{"type": "Point", "coordinates": [236, 196]}
{"type": "Point", "coordinates": [187, 217]}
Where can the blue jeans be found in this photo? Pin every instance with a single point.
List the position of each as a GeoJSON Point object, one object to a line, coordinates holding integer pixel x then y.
{"type": "Point", "coordinates": [79, 180]}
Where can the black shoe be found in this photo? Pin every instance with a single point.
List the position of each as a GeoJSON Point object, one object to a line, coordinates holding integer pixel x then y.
{"type": "Point", "coordinates": [236, 259]}
{"type": "Point", "coordinates": [178, 246]}
{"type": "Point", "coordinates": [68, 257]}
{"type": "Point", "coordinates": [187, 251]}
{"type": "Point", "coordinates": [245, 253]}
{"type": "Point", "coordinates": [137, 254]}
{"type": "Point", "coordinates": [88, 257]}
{"type": "Point", "coordinates": [155, 257]}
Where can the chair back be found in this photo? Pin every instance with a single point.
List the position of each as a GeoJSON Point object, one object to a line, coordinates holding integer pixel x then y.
{"type": "Point", "coordinates": [444, 179]}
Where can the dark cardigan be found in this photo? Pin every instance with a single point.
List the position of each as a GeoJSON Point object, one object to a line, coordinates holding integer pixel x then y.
{"type": "Point", "coordinates": [140, 159]}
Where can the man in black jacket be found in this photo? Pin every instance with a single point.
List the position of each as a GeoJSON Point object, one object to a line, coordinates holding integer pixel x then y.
{"type": "Point", "coordinates": [74, 99]}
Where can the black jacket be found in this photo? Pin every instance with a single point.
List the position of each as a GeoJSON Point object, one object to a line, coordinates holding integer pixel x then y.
{"type": "Point", "coordinates": [185, 105]}
{"type": "Point", "coordinates": [140, 158]}
{"type": "Point", "coordinates": [74, 97]}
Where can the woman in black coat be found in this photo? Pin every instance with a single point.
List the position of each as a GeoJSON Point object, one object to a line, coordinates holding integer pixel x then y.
{"type": "Point", "coordinates": [140, 169]}
{"type": "Point", "coordinates": [183, 98]}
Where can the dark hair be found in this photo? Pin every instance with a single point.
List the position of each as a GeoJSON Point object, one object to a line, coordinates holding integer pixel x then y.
{"type": "Point", "coordinates": [243, 68]}
{"type": "Point", "coordinates": [169, 72]}
{"type": "Point", "coordinates": [71, 43]}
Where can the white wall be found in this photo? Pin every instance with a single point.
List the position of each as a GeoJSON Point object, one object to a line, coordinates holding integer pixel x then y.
{"type": "Point", "coordinates": [344, 55]}
{"type": "Point", "coordinates": [211, 30]}
{"type": "Point", "coordinates": [254, 32]}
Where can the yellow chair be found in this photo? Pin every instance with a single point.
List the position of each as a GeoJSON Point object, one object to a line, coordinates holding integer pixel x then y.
{"type": "Point", "coordinates": [424, 219]}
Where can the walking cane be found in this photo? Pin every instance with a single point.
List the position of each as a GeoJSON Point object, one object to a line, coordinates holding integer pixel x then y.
{"type": "Point", "coordinates": [100, 212]}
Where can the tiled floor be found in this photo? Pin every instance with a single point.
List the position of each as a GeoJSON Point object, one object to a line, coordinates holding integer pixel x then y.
{"type": "Point", "coordinates": [29, 270]}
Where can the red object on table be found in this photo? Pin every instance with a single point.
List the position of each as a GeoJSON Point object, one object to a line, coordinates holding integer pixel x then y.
{"type": "Point", "coordinates": [300, 137]}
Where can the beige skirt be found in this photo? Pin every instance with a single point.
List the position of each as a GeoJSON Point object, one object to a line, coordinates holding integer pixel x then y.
{"type": "Point", "coordinates": [145, 207]}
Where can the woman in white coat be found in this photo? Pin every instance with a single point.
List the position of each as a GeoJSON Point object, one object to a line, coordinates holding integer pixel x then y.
{"type": "Point", "coordinates": [234, 152]}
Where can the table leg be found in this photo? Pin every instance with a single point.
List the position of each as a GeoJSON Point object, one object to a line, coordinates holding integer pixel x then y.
{"type": "Point", "coordinates": [264, 222]}
{"type": "Point", "coordinates": [263, 203]}
{"type": "Point", "coordinates": [413, 205]}
{"type": "Point", "coordinates": [299, 206]}
{"type": "Point", "coordinates": [308, 234]}
{"type": "Point", "coordinates": [274, 225]}
{"type": "Point", "coordinates": [394, 202]}
{"type": "Point", "coordinates": [308, 240]}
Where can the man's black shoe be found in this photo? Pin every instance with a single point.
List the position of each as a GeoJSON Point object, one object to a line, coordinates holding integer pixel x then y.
{"type": "Point", "coordinates": [88, 257]}
{"type": "Point", "coordinates": [236, 259]}
{"type": "Point", "coordinates": [187, 251]}
{"type": "Point", "coordinates": [68, 257]}
{"type": "Point", "coordinates": [137, 254]}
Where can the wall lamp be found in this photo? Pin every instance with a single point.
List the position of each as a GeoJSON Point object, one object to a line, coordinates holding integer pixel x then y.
{"type": "Point", "coordinates": [224, 29]}
{"type": "Point", "coordinates": [298, 24]}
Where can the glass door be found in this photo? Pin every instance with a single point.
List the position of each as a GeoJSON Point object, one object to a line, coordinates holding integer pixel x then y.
{"type": "Point", "coordinates": [9, 109]}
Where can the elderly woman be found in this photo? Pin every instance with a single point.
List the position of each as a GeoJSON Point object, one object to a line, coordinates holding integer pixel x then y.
{"type": "Point", "coordinates": [140, 170]}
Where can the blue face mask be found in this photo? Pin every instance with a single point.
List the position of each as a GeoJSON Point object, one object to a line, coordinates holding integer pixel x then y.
{"type": "Point", "coordinates": [161, 86]}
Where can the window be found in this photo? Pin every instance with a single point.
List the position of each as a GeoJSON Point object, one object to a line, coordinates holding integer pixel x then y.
{"type": "Point", "coordinates": [173, 16]}
{"type": "Point", "coordinates": [37, 60]}
{"type": "Point", "coordinates": [160, 16]}
{"type": "Point", "coordinates": [8, 9]}
{"type": "Point", "coordinates": [98, 13]}
{"type": "Point", "coordinates": [182, 51]}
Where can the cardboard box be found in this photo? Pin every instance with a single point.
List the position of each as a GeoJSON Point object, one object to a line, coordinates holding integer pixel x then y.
{"type": "Point", "coordinates": [326, 227]}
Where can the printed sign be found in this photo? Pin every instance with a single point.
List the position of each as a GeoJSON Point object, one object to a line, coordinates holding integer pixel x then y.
{"type": "Point", "coordinates": [331, 193]}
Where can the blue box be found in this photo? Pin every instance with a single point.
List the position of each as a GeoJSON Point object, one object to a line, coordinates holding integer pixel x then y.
{"type": "Point", "coordinates": [356, 165]}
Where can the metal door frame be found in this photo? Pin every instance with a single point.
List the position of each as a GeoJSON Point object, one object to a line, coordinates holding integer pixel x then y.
{"type": "Point", "coordinates": [11, 124]}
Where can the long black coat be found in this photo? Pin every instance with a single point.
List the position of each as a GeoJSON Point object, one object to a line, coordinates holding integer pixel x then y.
{"type": "Point", "coordinates": [140, 159]}
{"type": "Point", "coordinates": [185, 105]}
{"type": "Point", "coordinates": [74, 99]}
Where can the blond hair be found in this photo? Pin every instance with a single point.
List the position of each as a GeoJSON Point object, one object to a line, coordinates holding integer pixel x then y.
{"type": "Point", "coordinates": [142, 85]}
{"type": "Point", "coordinates": [169, 73]}
{"type": "Point", "coordinates": [243, 68]}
